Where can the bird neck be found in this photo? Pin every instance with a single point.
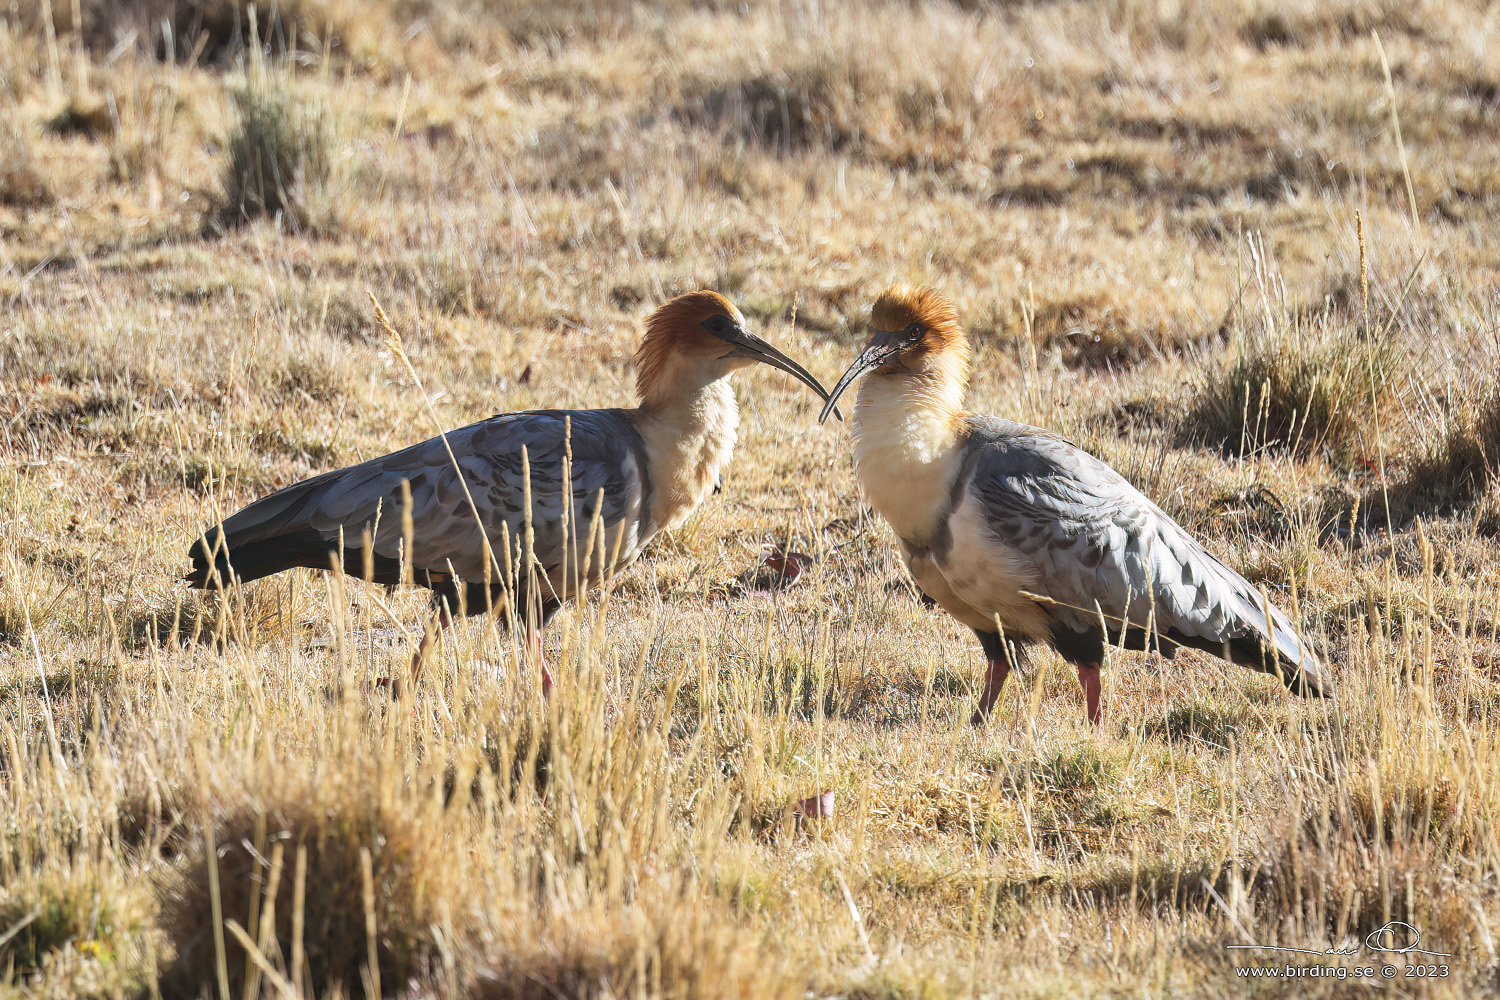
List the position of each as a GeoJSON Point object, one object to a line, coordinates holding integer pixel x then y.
{"type": "Point", "coordinates": [906, 447]}
{"type": "Point", "coordinates": [689, 438]}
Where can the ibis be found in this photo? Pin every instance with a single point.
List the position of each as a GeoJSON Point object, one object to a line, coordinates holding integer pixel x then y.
{"type": "Point", "coordinates": [1026, 538]}
{"type": "Point", "coordinates": [522, 511]}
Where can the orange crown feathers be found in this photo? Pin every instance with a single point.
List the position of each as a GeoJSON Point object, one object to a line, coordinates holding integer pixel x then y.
{"type": "Point", "coordinates": [900, 306]}
{"type": "Point", "coordinates": [686, 312]}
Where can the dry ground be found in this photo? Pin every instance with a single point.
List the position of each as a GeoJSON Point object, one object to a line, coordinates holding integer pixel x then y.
{"type": "Point", "coordinates": [1149, 215]}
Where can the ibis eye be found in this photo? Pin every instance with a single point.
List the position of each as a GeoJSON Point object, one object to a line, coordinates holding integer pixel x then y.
{"type": "Point", "coordinates": [719, 326]}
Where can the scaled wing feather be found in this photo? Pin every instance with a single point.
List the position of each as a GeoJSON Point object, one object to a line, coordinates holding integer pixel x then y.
{"type": "Point", "coordinates": [1100, 546]}
{"type": "Point", "coordinates": [608, 479]}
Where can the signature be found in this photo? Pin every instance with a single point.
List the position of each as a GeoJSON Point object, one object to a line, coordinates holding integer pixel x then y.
{"type": "Point", "coordinates": [1397, 937]}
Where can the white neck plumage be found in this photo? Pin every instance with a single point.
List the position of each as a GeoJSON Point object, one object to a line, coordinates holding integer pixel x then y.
{"type": "Point", "coordinates": [689, 440]}
{"type": "Point", "coordinates": [906, 453]}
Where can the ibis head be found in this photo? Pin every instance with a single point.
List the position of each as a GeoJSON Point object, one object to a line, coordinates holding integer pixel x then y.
{"type": "Point", "coordinates": [699, 338]}
{"type": "Point", "coordinates": [915, 332]}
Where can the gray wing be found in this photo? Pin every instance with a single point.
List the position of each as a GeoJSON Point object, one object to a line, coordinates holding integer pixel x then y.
{"type": "Point", "coordinates": [1099, 545]}
{"type": "Point", "coordinates": [608, 480]}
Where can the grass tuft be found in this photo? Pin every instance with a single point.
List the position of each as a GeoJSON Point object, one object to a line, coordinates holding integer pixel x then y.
{"type": "Point", "coordinates": [216, 32]}
{"type": "Point", "coordinates": [1464, 462]}
{"type": "Point", "coordinates": [21, 182]}
{"type": "Point", "coordinates": [67, 916]}
{"type": "Point", "coordinates": [1216, 726]}
{"type": "Point", "coordinates": [1393, 844]}
{"type": "Point", "coordinates": [667, 947]}
{"type": "Point", "coordinates": [330, 823]}
{"type": "Point", "coordinates": [279, 152]}
{"type": "Point", "coordinates": [1292, 389]}
{"type": "Point", "coordinates": [791, 110]}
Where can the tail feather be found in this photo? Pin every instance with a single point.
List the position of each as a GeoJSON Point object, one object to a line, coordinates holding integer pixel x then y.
{"type": "Point", "coordinates": [265, 537]}
{"type": "Point", "coordinates": [1303, 674]}
{"type": "Point", "coordinates": [1269, 643]}
{"type": "Point", "coordinates": [1291, 660]}
{"type": "Point", "coordinates": [1296, 665]}
{"type": "Point", "coordinates": [217, 560]}
{"type": "Point", "coordinates": [217, 565]}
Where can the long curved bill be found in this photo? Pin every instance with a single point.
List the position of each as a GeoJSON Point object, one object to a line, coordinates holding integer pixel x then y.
{"type": "Point", "coordinates": [875, 354]}
{"type": "Point", "coordinates": [751, 346]}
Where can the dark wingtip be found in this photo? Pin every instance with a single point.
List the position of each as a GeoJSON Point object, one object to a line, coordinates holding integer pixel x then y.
{"type": "Point", "coordinates": [206, 578]}
{"type": "Point", "coordinates": [208, 572]}
{"type": "Point", "coordinates": [203, 577]}
{"type": "Point", "coordinates": [1300, 682]}
{"type": "Point", "coordinates": [1303, 678]}
{"type": "Point", "coordinates": [197, 577]}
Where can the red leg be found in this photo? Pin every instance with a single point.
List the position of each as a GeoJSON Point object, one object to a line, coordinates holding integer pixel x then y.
{"type": "Point", "coordinates": [1088, 676]}
{"type": "Point", "coordinates": [536, 649]}
{"type": "Point", "coordinates": [995, 673]}
{"type": "Point", "coordinates": [430, 633]}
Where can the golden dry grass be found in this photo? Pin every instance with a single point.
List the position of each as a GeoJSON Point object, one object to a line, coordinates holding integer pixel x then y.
{"type": "Point", "coordinates": [1147, 215]}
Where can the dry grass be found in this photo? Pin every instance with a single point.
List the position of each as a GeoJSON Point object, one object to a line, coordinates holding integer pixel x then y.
{"type": "Point", "coordinates": [21, 184]}
{"type": "Point", "coordinates": [1299, 382]}
{"type": "Point", "coordinates": [1148, 219]}
{"type": "Point", "coordinates": [278, 153]}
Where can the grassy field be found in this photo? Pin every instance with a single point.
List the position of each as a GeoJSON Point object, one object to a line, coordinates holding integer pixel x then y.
{"type": "Point", "coordinates": [1248, 251]}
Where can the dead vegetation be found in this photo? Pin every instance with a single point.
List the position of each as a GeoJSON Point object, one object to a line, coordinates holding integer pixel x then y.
{"type": "Point", "coordinates": [322, 858]}
{"type": "Point", "coordinates": [1147, 216]}
{"type": "Point", "coordinates": [21, 185]}
{"type": "Point", "coordinates": [1296, 390]}
{"type": "Point", "coordinates": [278, 152]}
